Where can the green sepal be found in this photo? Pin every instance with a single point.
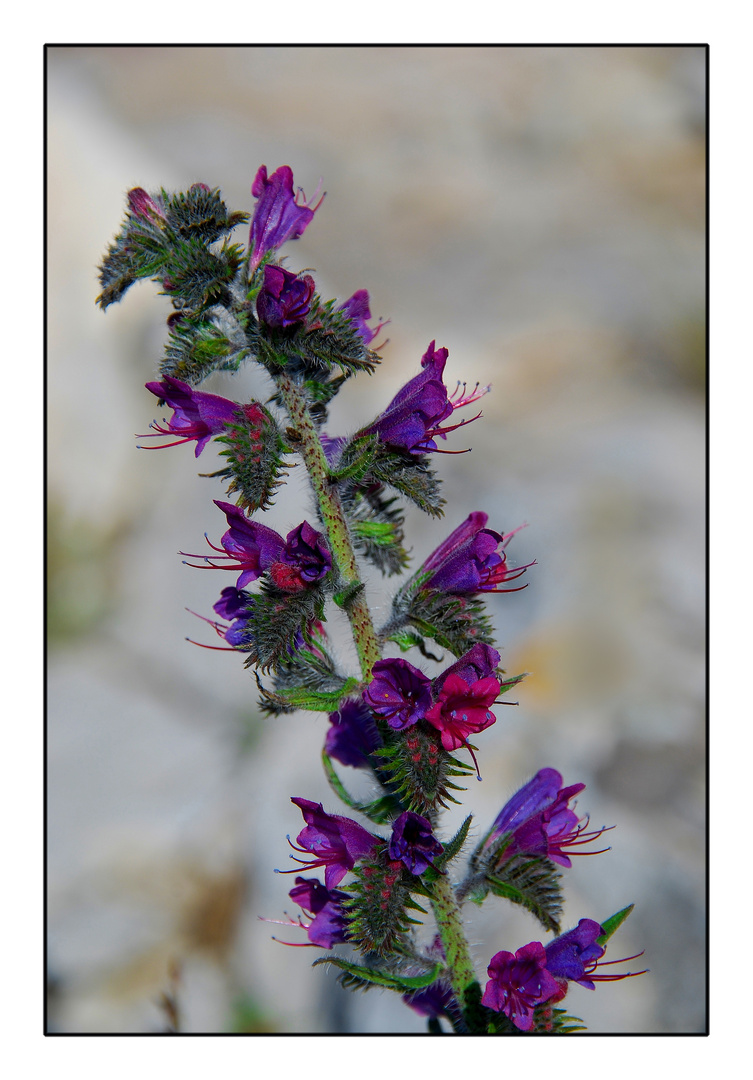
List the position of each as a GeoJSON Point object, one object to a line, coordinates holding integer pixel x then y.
{"type": "Point", "coordinates": [411, 475]}
{"type": "Point", "coordinates": [452, 847]}
{"type": "Point", "coordinates": [379, 811]}
{"type": "Point", "coordinates": [196, 347]}
{"type": "Point", "coordinates": [376, 525]}
{"type": "Point", "coordinates": [406, 639]}
{"type": "Point", "coordinates": [275, 620]}
{"type": "Point", "coordinates": [201, 214]}
{"type": "Point", "coordinates": [356, 458]}
{"type": "Point", "coordinates": [403, 984]}
{"type": "Point", "coordinates": [419, 768]}
{"type": "Point", "coordinates": [534, 884]}
{"type": "Point", "coordinates": [254, 451]}
{"type": "Point", "coordinates": [454, 622]}
{"type": "Point", "coordinates": [317, 701]}
{"type": "Point", "coordinates": [613, 923]}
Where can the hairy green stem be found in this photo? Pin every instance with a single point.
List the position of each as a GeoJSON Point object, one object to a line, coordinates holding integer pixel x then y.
{"type": "Point", "coordinates": [310, 448]}
{"type": "Point", "coordinates": [450, 925]}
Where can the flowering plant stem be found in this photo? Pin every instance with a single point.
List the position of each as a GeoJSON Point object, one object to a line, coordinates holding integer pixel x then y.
{"type": "Point", "coordinates": [449, 923]}
{"type": "Point", "coordinates": [309, 446]}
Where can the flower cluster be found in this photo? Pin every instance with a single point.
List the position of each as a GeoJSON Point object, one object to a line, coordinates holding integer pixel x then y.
{"type": "Point", "coordinates": [396, 724]}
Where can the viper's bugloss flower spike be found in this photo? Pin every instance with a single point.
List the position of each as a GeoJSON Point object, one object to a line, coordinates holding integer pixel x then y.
{"type": "Point", "coordinates": [472, 559]}
{"type": "Point", "coordinates": [336, 842]}
{"type": "Point", "coordinates": [353, 735]}
{"type": "Point", "coordinates": [302, 559]}
{"type": "Point", "coordinates": [358, 311]}
{"type": "Point", "coordinates": [279, 215]}
{"type": "Point", "coordinates": [398, 692]}
{"type": "Point", "coordinates": [463, 708]}
{"type": "Point", "coordinates": [539, 821]}
{"type": "Point", "coordinates": [413, 419]}
{"type": "Point", "coordinates": [143, 205]}
{"type": "Point", "coordinates": [518, 982]}
{"type": "Point", "coordinates": [323, 906]}
{"type": "Point", "coordinates": [413, 842]}
{"type": "Point", "coordinates": [285, 298]}
{"type": "Point", "coordinates": [196, 416]}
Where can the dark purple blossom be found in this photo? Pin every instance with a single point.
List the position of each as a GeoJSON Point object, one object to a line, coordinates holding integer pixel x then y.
{"type": "Point", "coordinates": [358, 311]}
{"type": "Point", "coordinates": [143, 205]}
{"type": "Point", "coordinates": [570, 955]}
{"type": "Point", "coordinates": [413, 842]}
{"type": "Point", "coordinates": [433, 1001]}
{"type": "Point", "coordinates": [196, 415]}
{"type": "Point", "coordinates": [294, 563]}
{"type": "Point", "coordinates": [353, 735]}
{"type": "Point", "coordinates": [398, 692]}
{"type": "Point", "coordinates": [539, 821]}
{"type": "Point", "coordinates": [285, 298]}
{"type": "Point", "coordinates": [280, 215]}
{"type": "Point", "coordinates": [336, 842]}
{"type": "Point", "coordinates": [518, 983]}
{"type": "Point", "coordinates": [237, 607]}
{"type": "Point", "coordinates": [463, 708]}
{"type": "Point", "coordinates": [472, 559]}
{"type": "Point", "coordinates": [323, 906]}
{"type": "Point", "coordinates": [413, 419]}
{"type": "Point", "coordinates": [480, 662]}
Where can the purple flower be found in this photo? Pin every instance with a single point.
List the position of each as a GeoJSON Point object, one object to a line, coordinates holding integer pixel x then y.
{"type": "Point", "coordinates": [434, 1001]}
{"type": "Point", "coordinates": [413, 842]}
{"type": "Point", "coordinates": [398, 692]}
{"type": "Point", "coordinates": [329, 923]}
{"type": "Point", "coordinates": [285, 298]}
{"type": "Point", "coordinates": [539, 821]}
{"type": "Point", "coordinates": [279, 216]}
{"type": "Point", "coordinates": [143, 205]}
{"type": "Point", "coordinates": [518, 983]}
{"type": "Point", "coordinates": [358, 311]}
{"type": "Point", "coordinates": [472, 559]}
{"type": "Point", "coordinates": [353, 735]}
{"type": "Point", "coordinates": [294, 563]}
{"type": "Point", "coordinates": [196, 415]}
{"type": "Point", "coordinates": [336, 842]}
{"type": "Point", "coordinates": [572, 955]}
{"type": "Point", "coordinates": [237, 607]}
{"type": "Point", "coordinates": [480, 662]}
{"type": "Point", "coordinates": [462, 709]}
{"type": "Point", "coordinates": [413, 419]}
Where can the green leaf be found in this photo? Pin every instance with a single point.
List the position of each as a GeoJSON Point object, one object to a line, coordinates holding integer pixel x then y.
{"type": "Point", "coordinates": [452, 848]}
{"type": "Point", "coordinates": [379, 811]}
{"type": "Point", "coordinates": [403, 984]}
{"type": "Point", "coordinates": [613, 923]}
{"type": "Point", "coordinates": [534, 883]}
{"type": "Point", "coordinates": [316, 700]}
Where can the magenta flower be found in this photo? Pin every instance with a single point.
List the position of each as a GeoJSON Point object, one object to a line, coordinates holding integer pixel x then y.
{"type": "Point", "coordinates": [196, 415]}
{"type": "Point", "coordinates": [472, 559]}
{"type": "Point", "coordinates": [413, 842]}
{"type": "Point", "coordinates": [336, 842]}
{"type": "Point", "coordinates": [398, 692]}
{"type": "Point", "coordinates": [323, 906]}
{"type": "Point", "coordinates": [480, 662]}
{"type": "Point", "coordinates": [518, 983]}
{"type": "Point", "coordinates": [237, 607]}
{"type": "Point", "coordinates": [540, 821]}
{"type": "Point", "coordinates": [358, 311]}
{"type": "Point", "coordinates": [413, 419]}
{"type": "Point", "coordinates": [462, 709]}
{"type": "Point", "coordinates": [353, 735]}
{"type": "Point", "coordinates": [285, 298]}
{"type": "Point", "coordinates": [279, 215]}
{"type": "Point", "coordinates": [300, 560]}
{"type": "Point", "coordinates": [143, 205]}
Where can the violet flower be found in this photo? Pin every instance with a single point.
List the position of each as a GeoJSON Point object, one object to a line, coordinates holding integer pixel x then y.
{"type": "Point", "coordinates": [196, 415]}
{"type": "Point", "coordinates": [329, 922]}
{"type": "Point", "coordinates": [285, 298]}
{"type": "Point", "coordinates": [433, 1001]}
{"type": "Point", "coordinates": [540, 821]}
{"type": "Point", "coordinates": [480, 662]}
{"type": "Point", "coordinates": [518, 983]}
{"type": "Point", "coordinates": [358, 311]}
{"type": "Point", "coordinates": [575, 956]}
{"type": "Point", "coordinates": [279, 215]}
{"type": "Point", "coordinates": [413, 842]}
{"type": "Point", "coordinates": [413, 419]}
{"type": "Point", "coordinates": [294, 563]}
{"type": "Point", "coordinates": [237, 607]}
{"type": "Point", "coordinates": [398, 692]}
{"type": "Point", "coordinates": [353, 735]}
{"type": "Point", "coordinates": [471, 560]}
{"type": "Point", "coordinates": [336, 842]}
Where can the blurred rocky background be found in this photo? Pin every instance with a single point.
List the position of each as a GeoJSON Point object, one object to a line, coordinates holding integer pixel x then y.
{"type": "Point", "coordinates": [540, 212]}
